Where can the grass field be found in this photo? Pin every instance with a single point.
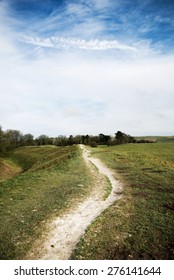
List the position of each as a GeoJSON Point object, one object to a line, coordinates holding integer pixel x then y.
{"type": "Point", "coordinates": [141, 224]}
{"type": "Point", "coordinates": [53, 179]}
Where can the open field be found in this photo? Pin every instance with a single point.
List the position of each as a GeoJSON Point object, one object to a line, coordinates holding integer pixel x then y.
{"type": "Point", "coordinates": [141, 224]}
{"type": "Point", "coordinates": [53, 179]}
{"type": "Point", "coordinates": [40, 183]}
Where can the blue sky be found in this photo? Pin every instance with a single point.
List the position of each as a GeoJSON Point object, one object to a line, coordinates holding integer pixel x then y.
{"type": "Point", "coordinates": [94, 66]}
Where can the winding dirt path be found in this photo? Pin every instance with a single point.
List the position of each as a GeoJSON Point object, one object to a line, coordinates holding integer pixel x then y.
{"type": "Point", "coordinates": [65, 231]}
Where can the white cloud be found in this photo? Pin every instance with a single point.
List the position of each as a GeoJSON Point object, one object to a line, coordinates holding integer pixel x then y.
{"type": "Point", "coordinates": [61, 42]}
{"type": "Point", "coordinates": [72, 94]}
{"type": "Point", "coordinates": [77, 9]}
{"type": "Point", "coordinates": [72, 111]}
{"type": "Point", "coordinates": [167, 20]}
{"type": "Point", "coordinates": [102, 4]}
{"type": "Point", "coordinates": [7, 48]}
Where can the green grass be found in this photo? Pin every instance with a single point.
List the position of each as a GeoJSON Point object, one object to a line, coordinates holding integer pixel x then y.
{"type": "Point", "coordinates": [165, 139]}
{"type": "Point", "coordinates": [141, 224]}
{"type": "Point", "coordinates": [158, 139]}
{"type": "Point", "coordinates": [53, 180]}
{"type": "Point", "coordinates": [108, 188]}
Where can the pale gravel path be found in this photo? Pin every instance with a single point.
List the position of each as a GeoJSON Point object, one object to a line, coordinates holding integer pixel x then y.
{"type": "Point", "coordinates": [65, 231]}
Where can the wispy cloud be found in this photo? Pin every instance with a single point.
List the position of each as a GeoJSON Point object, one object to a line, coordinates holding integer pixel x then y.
{"type": "Point", "coordinates": [77, 9]}
{"type": "Point", "coordinates": [96, 25]}
{"type": "Point", "coordinates": [60, 42]}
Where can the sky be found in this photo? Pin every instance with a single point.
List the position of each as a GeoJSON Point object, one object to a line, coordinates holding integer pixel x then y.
{"type": "Point", "coordinates": [87, 66]}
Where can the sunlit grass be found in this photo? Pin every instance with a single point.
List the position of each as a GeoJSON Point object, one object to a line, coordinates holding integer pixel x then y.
{"type": "Point", "coordinates": [56, 178]}
{"type": "Point", "coordinates": [141, 224]}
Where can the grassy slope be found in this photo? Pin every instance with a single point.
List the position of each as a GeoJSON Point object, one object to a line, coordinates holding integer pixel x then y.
{"type": "Point", "coordinates": [8, 169]}
{"type": "Point", "coordinates": [54, 179]}
{"type": "Point", "coordinates": [141, 224]}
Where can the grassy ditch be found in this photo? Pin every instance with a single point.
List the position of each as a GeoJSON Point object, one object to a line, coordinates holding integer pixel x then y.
{"type": "Point", "coordinates": [8, 169]}
{"type": "Point", "coordinates": [53, 180]}
{"type": "Point", "coordinates": [141, 224]}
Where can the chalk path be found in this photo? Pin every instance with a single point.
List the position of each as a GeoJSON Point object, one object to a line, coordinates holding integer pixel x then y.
{"type": "Point", "coordinates": [65, 231]}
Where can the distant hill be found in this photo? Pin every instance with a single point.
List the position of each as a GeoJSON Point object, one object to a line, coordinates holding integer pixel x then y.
{"type": "Point", "coordinates": [157, 139]}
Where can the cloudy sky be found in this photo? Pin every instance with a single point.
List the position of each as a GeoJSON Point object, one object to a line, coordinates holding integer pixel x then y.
{"type": "Point", "coordinates": [87, 66]}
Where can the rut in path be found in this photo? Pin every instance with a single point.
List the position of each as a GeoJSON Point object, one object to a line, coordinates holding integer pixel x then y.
{"type": "Point", "coordinates": [65, 231]}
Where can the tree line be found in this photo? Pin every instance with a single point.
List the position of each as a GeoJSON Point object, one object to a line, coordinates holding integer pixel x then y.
{"type": "Point", "coordinates": [11, 139]}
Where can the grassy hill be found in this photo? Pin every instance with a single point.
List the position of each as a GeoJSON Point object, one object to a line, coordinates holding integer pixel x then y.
{"type": "Point", "coordinates": [52, 180]}
{"type": "Point", "coordinates": [158, 139]}
{"type": "Point", "coordinates": [165, 139]}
